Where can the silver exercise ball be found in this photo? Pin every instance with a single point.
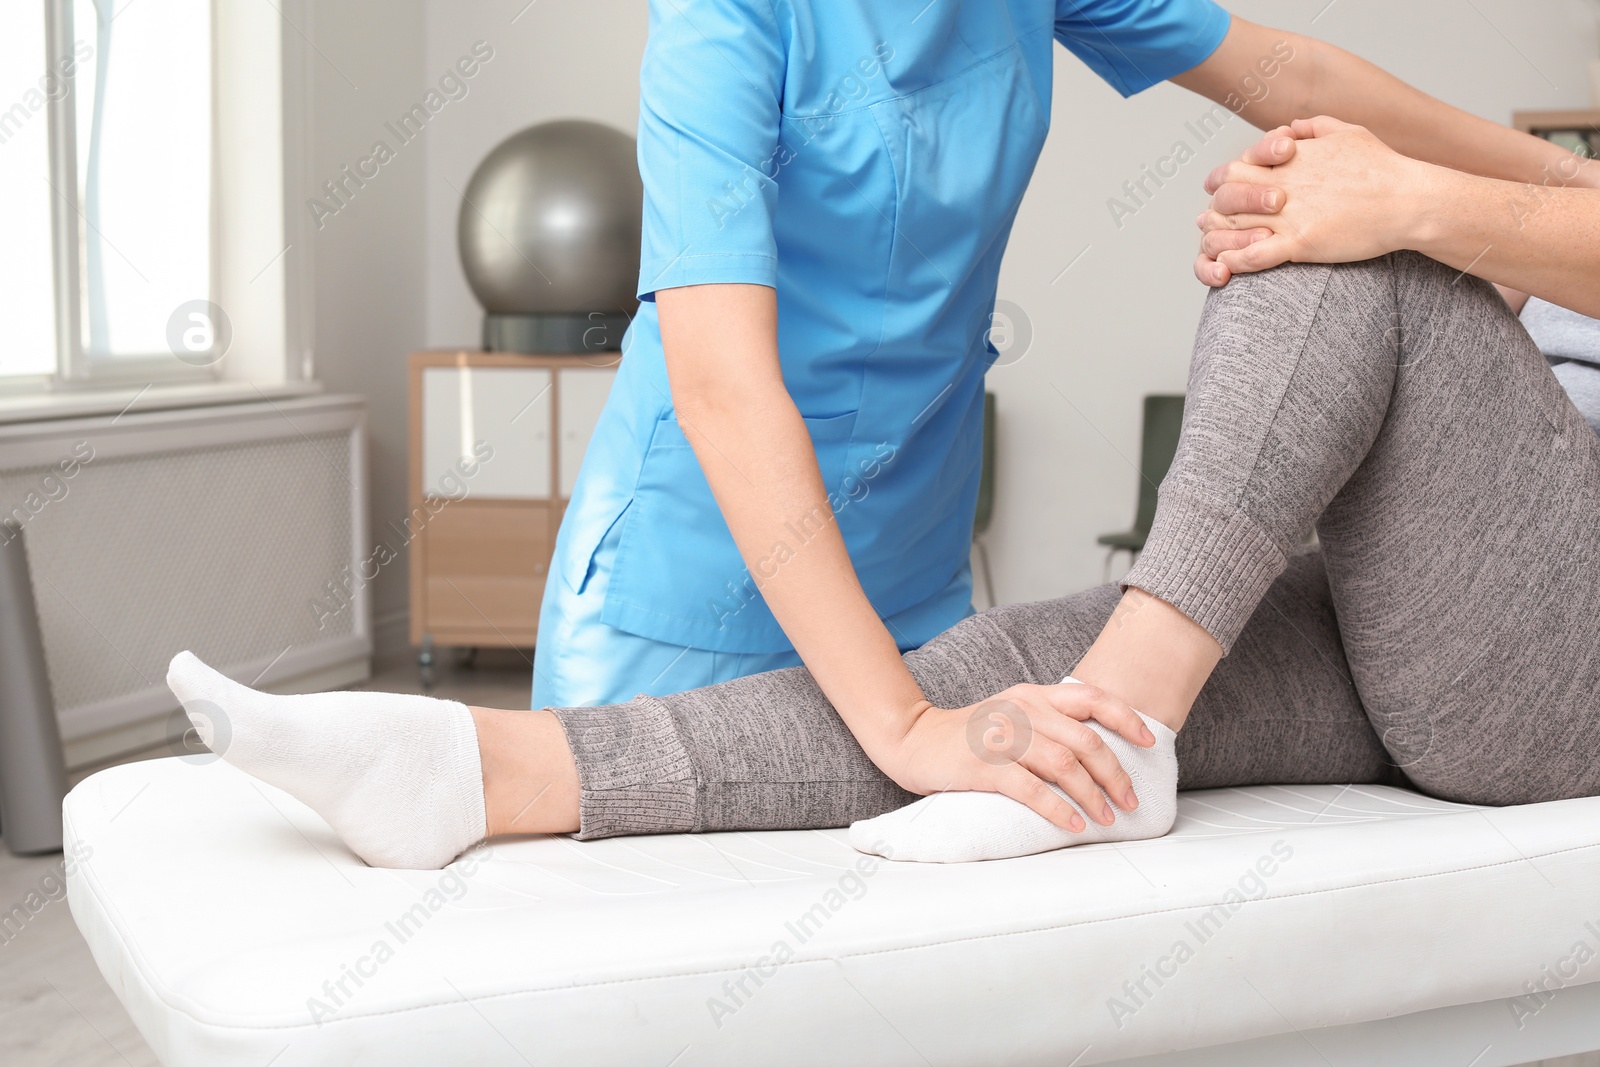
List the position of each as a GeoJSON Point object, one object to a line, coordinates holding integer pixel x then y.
{"type": "Point", "coordinates": [549, 237]}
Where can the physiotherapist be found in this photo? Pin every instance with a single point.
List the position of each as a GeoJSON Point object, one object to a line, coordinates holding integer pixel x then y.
{"type": "Point", "coordinates": [787, 467]}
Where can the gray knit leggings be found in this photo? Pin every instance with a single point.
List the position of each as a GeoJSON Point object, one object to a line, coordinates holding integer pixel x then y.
{"type": "Point", "coordinates": [1445, 636]}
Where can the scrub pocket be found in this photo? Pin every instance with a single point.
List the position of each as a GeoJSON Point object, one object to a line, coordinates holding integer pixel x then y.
{"type": "Point", "coordinates": [677, 572]}
{"type": "Point", "coordinates": [577, 555]}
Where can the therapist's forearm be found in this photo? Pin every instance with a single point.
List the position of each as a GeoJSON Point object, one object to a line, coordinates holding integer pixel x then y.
{"type": "Point", "coordinates": [1540, 241]}
{"type": "Point", "coordinates": [1327, 80]}
{"type": "Point", "coordinates": [1323, 79]}
{"type": "Point", "coordinates": [722, 363]}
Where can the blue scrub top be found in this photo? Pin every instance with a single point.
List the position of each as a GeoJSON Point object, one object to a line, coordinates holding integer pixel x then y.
{"type": "Point", "coordinates": [866, 160]}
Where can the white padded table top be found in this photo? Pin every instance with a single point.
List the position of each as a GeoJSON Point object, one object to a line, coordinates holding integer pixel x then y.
{"type": "Point", "coordinates": [237, 929]}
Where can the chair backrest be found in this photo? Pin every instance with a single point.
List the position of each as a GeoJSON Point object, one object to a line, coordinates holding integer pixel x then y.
{"type": "Point", "coordinates": [985, 513]}
{"type": "Point", "coordinates": [1163, 422]}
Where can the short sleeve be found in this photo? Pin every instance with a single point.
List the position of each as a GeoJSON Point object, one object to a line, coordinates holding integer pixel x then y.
{"type": "Point", "coordinates": [1133, 44]}
{"type": "Point", "coordinates": [710, 109]}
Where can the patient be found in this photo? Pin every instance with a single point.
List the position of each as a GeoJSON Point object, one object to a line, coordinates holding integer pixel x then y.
{"type": "Point", "coordinates": [1444, 634]}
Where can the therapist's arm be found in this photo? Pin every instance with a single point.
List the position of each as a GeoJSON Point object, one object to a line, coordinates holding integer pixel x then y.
{"type": "Point", "coordinates": [1322, 79]}
{"type": "Point", "coordinates": [722, 364]}
{"type": "Point", "coordinates": [721, 350]}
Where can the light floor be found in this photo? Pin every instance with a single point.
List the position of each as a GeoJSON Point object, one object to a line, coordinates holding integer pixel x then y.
{"type": "Point", "coordinates": [56, 1010]}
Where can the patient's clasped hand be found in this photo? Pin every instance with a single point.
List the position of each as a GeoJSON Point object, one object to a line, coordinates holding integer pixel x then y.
{"type": "Point", "coordinates": [399, 778]}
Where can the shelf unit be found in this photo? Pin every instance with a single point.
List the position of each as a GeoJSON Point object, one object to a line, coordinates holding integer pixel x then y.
{"type": "Point", "coordinates": [496, 440]}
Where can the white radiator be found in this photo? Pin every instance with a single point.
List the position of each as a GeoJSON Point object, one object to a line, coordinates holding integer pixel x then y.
{"type": "Point", "coordinates": [237, 531]}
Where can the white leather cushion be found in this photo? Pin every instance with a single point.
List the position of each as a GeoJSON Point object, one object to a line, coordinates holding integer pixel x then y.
{"type": "Point", "coordinates": [226, 916]}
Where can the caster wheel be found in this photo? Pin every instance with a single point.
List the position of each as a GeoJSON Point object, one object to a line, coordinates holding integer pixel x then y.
{"type": "Point", "coordinates": [425, 663]}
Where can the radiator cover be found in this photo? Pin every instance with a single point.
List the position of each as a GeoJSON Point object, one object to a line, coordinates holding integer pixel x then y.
{"type": "Point", "coordinates": [237, 531]}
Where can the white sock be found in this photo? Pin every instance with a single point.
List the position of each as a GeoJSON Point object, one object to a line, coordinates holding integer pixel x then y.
{"type": "Point", "coordinates": [398, 777]}
{"type": "Point", "coordinates": [957, 827]}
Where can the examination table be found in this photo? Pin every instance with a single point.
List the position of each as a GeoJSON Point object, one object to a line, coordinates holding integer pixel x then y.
{"type": "Point", "coordinates": [1275, 925]}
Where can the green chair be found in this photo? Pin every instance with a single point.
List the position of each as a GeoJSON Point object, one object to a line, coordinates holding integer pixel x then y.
{"type": "Point", "coordinates": [985, 513]}
{"type": "Point", "coordinates": [1163, 421]}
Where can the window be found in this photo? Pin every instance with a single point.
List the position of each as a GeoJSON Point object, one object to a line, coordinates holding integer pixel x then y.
{"type": "Point", "coordinates": [141, 134]}
{"type": "Point", "coordinates": [28, 343]}
{"type": "Point", "coordinates": [109, 262]}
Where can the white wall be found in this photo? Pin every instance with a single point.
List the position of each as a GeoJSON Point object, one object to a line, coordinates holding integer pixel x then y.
{"type": "Point", "coordinates": [1114, 327]}
{"type": "Point", "coordinates": [368, 260]}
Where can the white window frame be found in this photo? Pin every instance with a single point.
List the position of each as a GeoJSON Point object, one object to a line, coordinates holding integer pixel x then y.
{"type": "Point", "coordinates": [260, 249]}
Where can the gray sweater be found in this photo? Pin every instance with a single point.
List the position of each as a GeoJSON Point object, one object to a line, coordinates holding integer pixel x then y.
{"type": "Point", "coordinates": [1571, 342]}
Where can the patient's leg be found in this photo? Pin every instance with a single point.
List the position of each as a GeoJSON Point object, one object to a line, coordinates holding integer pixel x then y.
{"type": "Point", "coordinates": [1458, 493]}
{"type": "Point", "coordinates": [408, 783]}
{"type": "Point", "coordinates": [1464, 555]}
{"type": "Point", "coordinates": [1400, 407]}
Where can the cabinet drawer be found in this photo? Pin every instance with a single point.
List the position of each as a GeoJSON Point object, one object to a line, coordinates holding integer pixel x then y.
{"type": "Point", "coordinates": [485, 568]}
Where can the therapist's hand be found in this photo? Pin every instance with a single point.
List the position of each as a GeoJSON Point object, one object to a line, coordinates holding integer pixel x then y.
{"type": "Point", "coordinates": [1017, 741]}
{"type": "Point", "coordinates": [1346, 197]}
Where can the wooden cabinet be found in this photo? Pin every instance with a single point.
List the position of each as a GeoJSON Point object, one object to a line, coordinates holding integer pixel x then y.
{"type": "Point", "coordinates": [495, 445]}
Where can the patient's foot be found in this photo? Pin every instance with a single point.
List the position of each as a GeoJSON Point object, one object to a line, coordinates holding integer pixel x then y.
{"type": "Point", "coordinates": [958, 827]}
{"type": "Point", "coordinates": [398, 777]}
